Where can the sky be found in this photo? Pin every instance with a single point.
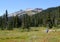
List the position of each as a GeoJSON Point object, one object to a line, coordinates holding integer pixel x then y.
{"type": "Point", "coordinates": [16, 5]}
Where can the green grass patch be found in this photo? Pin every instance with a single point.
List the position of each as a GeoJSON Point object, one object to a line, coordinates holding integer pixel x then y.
{"type": "Point", "coordinates": [36, 34]}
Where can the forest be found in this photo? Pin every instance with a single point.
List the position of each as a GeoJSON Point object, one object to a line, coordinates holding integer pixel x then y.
{"type": "Point", "coordinates": [49, 17]}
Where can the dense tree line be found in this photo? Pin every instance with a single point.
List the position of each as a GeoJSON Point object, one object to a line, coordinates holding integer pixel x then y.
{"type": "Point", "coordinates": [49, 17]}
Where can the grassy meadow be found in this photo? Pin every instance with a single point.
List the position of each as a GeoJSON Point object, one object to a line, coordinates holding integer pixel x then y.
{"type": "Point", "coordinates": [36, 34]}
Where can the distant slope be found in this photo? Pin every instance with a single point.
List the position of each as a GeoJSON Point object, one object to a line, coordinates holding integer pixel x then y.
{"type": "Point", "coordinates": [28, 11]}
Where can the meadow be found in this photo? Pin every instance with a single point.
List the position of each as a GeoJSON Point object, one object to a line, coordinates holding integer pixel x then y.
{"type": "Point", "coordinates": [36, 34]}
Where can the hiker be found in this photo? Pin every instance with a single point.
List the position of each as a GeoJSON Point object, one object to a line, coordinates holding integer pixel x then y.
{"type": "Point", "coordinates": [47, 31]}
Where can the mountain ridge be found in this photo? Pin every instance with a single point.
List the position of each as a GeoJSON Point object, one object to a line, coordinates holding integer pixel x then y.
{"type": "Point", "coordinates": [27, 11]}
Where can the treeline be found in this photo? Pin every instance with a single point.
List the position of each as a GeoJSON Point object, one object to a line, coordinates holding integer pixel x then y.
{"type": "Point", "coordinates": [49, 17]}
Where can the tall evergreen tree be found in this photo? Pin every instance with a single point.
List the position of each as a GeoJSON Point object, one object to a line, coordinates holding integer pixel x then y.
{"type": "Point", "coordinates": [26, 22]}
{"type": "Point", "coordinates": [6, 17]}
